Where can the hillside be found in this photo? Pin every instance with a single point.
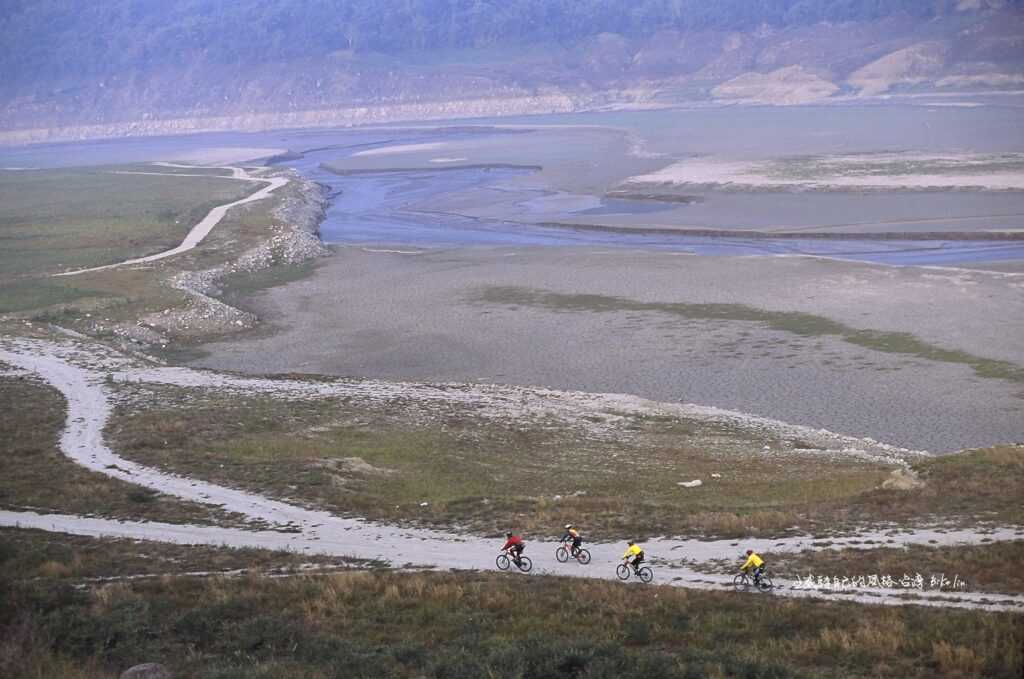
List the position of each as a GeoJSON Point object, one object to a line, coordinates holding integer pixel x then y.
{"type": "Point", "coordinates": [122, 67]}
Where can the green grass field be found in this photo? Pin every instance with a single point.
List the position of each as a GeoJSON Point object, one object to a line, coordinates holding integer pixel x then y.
{"type": "Point", "coordinates": [57, 220]}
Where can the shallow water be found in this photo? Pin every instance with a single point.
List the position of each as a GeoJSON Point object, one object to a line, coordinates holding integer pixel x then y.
{"type": "Point", "coordinates": [450, 208]}
{"type": "Point", "coordinates": [382, 209]}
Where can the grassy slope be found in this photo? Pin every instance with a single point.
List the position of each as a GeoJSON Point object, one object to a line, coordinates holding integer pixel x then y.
{"type": "Point", "coordinates": [35, 475]}
{"type": "Point", "coordinates": [53, 220]}
{"type": "Point", "coordinates": [56, 556]}
{"type": "Point", "coordinates": [482, 474]}
{"type": "Point", "coordinates": [987, 568]}
{"type": "Point", "coordinates": [980, 485]}
{"type": "Point", "coordinates": [374, 624]}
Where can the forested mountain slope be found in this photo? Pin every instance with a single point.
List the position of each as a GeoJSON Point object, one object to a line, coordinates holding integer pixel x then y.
{"type": "Point", "coordinates": [138, 66]}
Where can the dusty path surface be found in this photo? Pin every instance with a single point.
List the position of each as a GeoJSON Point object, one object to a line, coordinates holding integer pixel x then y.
{"type": "Point", "coordinates": [201, 230]}
{"type": "Point", "coordinates": [434, 550]}
{"type": "Point", "coordinates": [80, 372]}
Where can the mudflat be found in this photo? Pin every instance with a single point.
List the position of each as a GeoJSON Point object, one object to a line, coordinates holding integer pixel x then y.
{"type": "Point", "coordinates": [927, 358]}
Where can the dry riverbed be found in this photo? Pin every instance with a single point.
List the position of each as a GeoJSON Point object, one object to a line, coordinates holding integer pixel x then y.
{"type": "Point", "coordinates": [917, 357]}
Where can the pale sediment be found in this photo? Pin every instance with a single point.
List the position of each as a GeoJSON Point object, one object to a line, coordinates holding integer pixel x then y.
{"type": "Point", "coordinates": [633, 323]}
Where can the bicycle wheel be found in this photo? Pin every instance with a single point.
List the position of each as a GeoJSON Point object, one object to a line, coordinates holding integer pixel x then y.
{"type": "Point", "coordinates": [562, 555]}
{"type": "Point", "coordinates": [622, 571]}
{"type": "Point", "coordinates": [646, 574]}
{"type": "Point", "coordinates": [740, 582]}
{"type": "Point", "coordinates": [583, 556]}
{"type": "Point", "coordinates": [502, 562]}
{"type": "Point", "coordinates": [525, 564]}
{"type": "Point", "coordinates": [765, 585]}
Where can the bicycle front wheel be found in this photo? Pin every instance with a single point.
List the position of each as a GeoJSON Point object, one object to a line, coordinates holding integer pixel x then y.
{"type": "Point", "coordinates": [502, 562]}
{"type": "Point", "coordinates": [622, 571]}
{"type": "Point", "coordinates": [562, 554]}
{"type": "Point", "coordinates": [646, 574]}
{"type": "Point", "coordinates": [525, 564]}
{"type": "Point", "coordinates": [583, 557]}
{"type": "Point", "coordinates": [740, 582]}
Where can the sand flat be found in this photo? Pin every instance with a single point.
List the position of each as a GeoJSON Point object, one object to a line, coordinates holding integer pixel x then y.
{"type": "Point", "coordinates": [864, 171]}
{"type": "Point", "coordinates": [636, 322]}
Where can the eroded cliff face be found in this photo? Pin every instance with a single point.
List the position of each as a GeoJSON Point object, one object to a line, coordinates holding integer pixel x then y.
{"type": "Point", "coordinates": [978, 48]}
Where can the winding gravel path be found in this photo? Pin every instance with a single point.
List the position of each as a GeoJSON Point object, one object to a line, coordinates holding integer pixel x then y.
{"type": "Point", "coordinates": [79, 372]}
{"type": "Point", "coordinates": [201, 230]}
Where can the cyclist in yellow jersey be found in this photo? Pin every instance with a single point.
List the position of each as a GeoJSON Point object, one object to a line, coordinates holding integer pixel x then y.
{"type": "Point", "coordinates": [754, 564]}
{"type": "Point", "coordinates": [636, 553]}
{"type": "Point", "coordinates": [572, 535]}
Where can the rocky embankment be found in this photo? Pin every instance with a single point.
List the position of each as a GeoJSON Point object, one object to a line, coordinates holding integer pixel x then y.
{"type": "Point", "coordinates": [294, 239]}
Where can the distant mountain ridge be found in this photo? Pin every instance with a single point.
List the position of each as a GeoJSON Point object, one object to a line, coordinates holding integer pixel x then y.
{"type": "Point", "coordinates": [124, 67]}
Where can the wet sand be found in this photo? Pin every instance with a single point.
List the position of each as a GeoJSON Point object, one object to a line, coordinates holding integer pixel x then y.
{"type": "Point", "coordinates": [638, 322]}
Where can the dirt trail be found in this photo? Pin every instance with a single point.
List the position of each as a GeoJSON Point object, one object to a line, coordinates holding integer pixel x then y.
{"type": "Point", "coordinates": [438, 551]}
{"type": "Point", "coordinates": [79, 371]}
{"type": "Point", "coordinates": [201, 230]}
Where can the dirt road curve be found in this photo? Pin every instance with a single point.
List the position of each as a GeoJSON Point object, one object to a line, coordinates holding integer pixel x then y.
{"type": "Point", "coordinates": [79, 372]}
{"type": "Point", "coordinates": [201, 230]}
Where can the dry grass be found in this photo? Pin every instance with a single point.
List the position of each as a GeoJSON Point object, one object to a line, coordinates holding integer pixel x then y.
{"type": "Point", "coordinates": [987, 568]}
{"type": "Point", "coordinates": [478, 474]}
{"type": "Point", "coordinates": [984, 484]}
{"type": "Point", "coordinates": [35, 475]}
{"type": "Point", "coordinates": [87, 229]}
{"type": "Point", "coordinates": [384, 463]}
{"type": "Point", "coordinates": [32, 553]}
{"type": "Point", "coordinates": [358, 624]}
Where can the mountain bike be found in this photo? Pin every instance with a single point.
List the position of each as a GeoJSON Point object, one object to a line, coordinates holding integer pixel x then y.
{"type": "Point", "coordinates": [504, 561]}
{"type": "Point", "coordinates": [581, 555]}
{"type": "Point", "coordinates": [743, 582]}
{"type": "Point", "coordinates": [644, 573]}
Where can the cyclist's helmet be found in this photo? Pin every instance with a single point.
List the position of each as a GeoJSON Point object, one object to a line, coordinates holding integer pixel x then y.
{"type": "Point", "coordinates": [508, 534]}
{"type": "Point", "coordinates": [568, 526]}
{"type": "Point", "coordinates": [749, 552]}
{"type": "Point", "coordinates": [630, 542]}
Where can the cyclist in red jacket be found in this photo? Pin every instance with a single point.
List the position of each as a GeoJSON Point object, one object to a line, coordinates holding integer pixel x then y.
{"type": "Point", "coordinates": [514, 545]}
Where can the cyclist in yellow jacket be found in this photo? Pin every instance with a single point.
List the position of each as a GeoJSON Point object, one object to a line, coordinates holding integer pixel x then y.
{"type": "Point", "coordinates": [572, 535]}
{"type": "Point", "coordinates": [636, 553]}
{"type": "Point", "coordinates": [754, 564]}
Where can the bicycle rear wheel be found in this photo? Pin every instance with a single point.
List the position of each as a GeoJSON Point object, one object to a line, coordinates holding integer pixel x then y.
{"type": "Point", "coordinates": [562, 554]}
{"type": "Point", "coordinates": [502, 562]}
{"type": "Point", "coordinates": [765, 585]}
{"type": "Point", "coordinates": [740, 582]}
{"type": "Point", "coordinates": [525, 564]}
{"type": "Point", "coordinates": [646, 574]}
{"type": "Point", "coordinates": [583, 556]}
